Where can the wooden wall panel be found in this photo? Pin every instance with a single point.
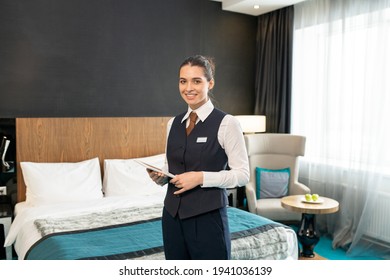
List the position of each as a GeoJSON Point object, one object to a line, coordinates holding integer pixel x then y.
{"type": "Point", "coordinates": [77, 139]}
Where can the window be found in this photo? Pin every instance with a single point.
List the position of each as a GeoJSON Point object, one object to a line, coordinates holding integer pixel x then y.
{"type": "Point", "coordinates": [341, 89]}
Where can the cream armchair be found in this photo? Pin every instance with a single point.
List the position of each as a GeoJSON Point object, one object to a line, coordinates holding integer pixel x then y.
{"type": "Point", "coordinates": [274, 151]}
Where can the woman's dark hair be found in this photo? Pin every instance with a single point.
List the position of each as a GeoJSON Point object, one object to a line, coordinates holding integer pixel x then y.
{"type": "Point", "coordinates": [207, 63]}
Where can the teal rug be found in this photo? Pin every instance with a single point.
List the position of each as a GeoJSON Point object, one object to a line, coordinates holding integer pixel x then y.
{"type": "Point", "coordinates": [324, 249]}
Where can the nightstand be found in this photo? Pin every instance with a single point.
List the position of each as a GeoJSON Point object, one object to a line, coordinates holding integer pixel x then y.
{"type": "Point", "coordinates": [5, 221]}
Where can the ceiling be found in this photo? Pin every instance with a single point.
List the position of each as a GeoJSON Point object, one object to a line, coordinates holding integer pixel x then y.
{"type": "Point", "coordinates": [247, 6]}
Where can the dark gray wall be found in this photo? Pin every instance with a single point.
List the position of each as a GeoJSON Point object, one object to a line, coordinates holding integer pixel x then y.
{"type": "Point", "coordinates": [75, 58]}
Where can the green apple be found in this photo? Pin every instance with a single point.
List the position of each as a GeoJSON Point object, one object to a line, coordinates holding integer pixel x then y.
{"type": "Point", "coordinates": [308, 197]}
{"type": "Point", "coordinates": [315, 197]}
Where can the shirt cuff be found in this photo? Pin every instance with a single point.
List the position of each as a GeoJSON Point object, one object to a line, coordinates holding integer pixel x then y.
{"type": "Point", "coordinates": [209, 180]}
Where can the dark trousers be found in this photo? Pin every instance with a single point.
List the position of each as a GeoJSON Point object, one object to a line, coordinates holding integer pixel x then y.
{"type": "Point", "coordinates": [203, 237]}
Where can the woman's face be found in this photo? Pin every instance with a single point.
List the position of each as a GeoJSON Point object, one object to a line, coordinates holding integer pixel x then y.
{"type": "Point", "coordinates": [193, 86]}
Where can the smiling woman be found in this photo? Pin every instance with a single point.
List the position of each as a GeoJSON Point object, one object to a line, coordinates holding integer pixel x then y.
{"type": "Point", "coordinates": [196, 198]}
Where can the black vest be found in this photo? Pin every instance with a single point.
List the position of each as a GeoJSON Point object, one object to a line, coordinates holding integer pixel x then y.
{"type": "Point", "coordinates": [199, 151]}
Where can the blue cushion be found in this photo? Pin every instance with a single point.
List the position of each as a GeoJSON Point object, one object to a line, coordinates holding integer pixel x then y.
{"type": "Point", "coordinates": [272, 183]}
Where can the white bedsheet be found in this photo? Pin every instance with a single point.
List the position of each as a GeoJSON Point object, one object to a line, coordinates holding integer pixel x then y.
{"type": "Point", "coordinates": [23, 233]}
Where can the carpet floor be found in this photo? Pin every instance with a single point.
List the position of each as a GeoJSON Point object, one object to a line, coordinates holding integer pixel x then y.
{"type": "Point", "coordinates": [324, 251]}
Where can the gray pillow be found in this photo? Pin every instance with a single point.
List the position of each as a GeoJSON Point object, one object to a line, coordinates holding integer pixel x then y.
{"type": "Point", "coordinates": [272, 183]}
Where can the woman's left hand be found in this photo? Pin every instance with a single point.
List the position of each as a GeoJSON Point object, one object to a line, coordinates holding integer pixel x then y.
{"type": "Point", "coordinates": [187, 181]}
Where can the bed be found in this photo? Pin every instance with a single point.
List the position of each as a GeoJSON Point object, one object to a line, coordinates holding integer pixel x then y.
{"type": "Point", "coordinates": [82, 195]}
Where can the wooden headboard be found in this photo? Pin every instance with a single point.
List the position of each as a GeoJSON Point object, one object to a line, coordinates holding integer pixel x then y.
{"type": "Point", "coordinates": [77, 139]}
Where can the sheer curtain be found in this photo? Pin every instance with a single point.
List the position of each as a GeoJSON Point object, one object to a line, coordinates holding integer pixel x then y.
{"type": "Point", "coordinates": [341, 103]}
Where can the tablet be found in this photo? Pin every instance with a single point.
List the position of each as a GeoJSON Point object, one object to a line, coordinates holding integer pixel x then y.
{"type": "Point", "coordinates": [151, 167]}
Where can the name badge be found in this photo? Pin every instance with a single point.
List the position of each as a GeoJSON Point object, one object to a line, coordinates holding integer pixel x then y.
{"type": "Point", "coordinates": [201, 140]}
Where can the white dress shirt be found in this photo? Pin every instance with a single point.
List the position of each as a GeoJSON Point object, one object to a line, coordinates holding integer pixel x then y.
{"type": "Point", "coordinates": [231, 139]}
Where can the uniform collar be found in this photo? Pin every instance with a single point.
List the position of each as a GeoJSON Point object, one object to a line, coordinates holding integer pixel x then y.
{"type": "Point", "coordinates": [203, 111]}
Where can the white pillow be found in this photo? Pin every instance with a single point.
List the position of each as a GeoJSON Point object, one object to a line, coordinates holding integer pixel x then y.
{"type": "Point", "coordinates": [49, 183]}
{"type": "Point", "coordinates": [127, 177]}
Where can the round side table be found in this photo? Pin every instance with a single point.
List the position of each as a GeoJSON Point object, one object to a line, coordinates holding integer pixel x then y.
{"type": "Point", "coordinates": [307, 233]}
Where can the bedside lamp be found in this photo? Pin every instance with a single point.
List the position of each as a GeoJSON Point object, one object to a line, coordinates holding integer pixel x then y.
{"type": "Point", "coordinates": [252, 123]}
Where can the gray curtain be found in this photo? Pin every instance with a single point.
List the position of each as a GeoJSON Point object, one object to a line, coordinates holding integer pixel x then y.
{"type": "Point", "coordinates": [274, 68]}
